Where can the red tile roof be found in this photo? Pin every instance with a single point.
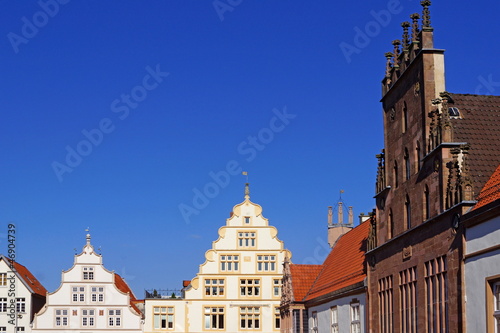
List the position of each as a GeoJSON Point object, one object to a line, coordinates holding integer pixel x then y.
{"type": "Point", "coordinates": [27, 277]}
{"type": "Point", "coordinates": [490, 191]}
{"type": "Point", "coordinates": [345, 265]}
{"type": "Point", "coordinates": [302, 277]}
{"type": "Point", "coordinates": [124, 287]}
{"type": "Point", "coordinates": [478, 125]}
{"type": "Point", "coordinates": [186, 283]}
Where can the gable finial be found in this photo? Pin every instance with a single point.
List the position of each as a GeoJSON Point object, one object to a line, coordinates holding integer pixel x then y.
{"type": "Point", "coordinates": [396, 53]}
{"type": "Point", "coordinates": [247, 185]}
{"type": "Point", "coordinates": [406, 36]}
{"type": "Point", "coordinates": [88, 235]}
{"type": "Point", "coordinates": [414, 27]}
{"type": "Point", "coordinates": [426, 14]}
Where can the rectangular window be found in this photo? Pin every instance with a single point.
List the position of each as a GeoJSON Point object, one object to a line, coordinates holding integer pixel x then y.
{"type": "Point", "coordinates": [88, 317]}
{"type": "Point", "coordinates": [78, 294]}
{"type": "Point", "coordinates": [3, 280]}
{"type": "Point", "coordinates": [408, 300]}
{"type": "Point", "coordinates": [276, 287]}
{"type": "Point", "coordinates": [436, 297]}
{"type": "Point", "coordinates": [249, 318]}
{"type": "Point", "coordinates": [277, 318]}
{"type": "Point", "coordinates": [3, 304]}
{"type": "Point", "coordinates": [20, 329]}
{"type": "Point", "coordinates": [229, 263]}
{"type": "Point", "coordinates": [213, 318]}
{"type": "Point", "coordinates": [355, 318]}
{"type": "Point", "coordinates": [214, 287]}
{"type": "Point", "coordinates": [3, 329]}
{"type": "Point", "coordinates": [334, 318]}
{"type": "Point", "coordinates": [97, 294]}
{"type": "Point", "coordinates": [247, 219]}
{"type": "Point", "coordinates": [385, 303]}
{"type": "Point", "coordinates": [21, 305]}
{"type": "Point", "coordinates": [314, 322]}
{"type": "Point", "coordinates": [114, 318]}
{"type": "Point", "coordinates": [163, 317]}
{"type": "Point", "coordinates": [266, 263]}
{"type": "Point", "coordinates": [246, 239]}
{"type": "Point", "coordinates": [250, 287]}
{"type": "Point", "coordinates": [496, 306]}
{"type": "Point", "coordinates": [61, 317]}
{"type": "Point", "coordinates": [88, 273]}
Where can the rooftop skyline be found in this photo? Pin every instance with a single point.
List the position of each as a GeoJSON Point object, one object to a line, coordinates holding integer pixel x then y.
{"type": "Point", "coordinates": [137, 121]}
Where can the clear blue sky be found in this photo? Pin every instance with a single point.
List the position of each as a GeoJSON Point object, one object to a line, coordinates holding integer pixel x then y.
{"type": "Point", "coordinates": [99, 69]}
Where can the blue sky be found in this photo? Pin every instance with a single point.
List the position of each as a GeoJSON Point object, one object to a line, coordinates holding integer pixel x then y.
{"type": "Point", "coordinates": [157, 98]}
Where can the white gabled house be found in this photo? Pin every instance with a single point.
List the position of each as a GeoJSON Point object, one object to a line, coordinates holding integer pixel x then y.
{"type": "Point", "coordinates": [90, 298]}
{"type": "Point", "coordinates": [21, 296]}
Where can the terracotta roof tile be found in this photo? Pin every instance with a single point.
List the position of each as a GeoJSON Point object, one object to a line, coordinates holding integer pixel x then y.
{"type": "Point", "coordinates": [478, 125]}
{"type": "Point", "coordinates": [124, 287]}
{"type": "Point", "coordinates": [28, 278]}
{"type": "Point", "coordinates": [490, 191]}
{"type": "Point", "coordinates": [345, 265]}
{"type": "Point", "coordinates": [303, 276]}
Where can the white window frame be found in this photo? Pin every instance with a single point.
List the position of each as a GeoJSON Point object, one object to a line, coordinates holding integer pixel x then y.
{"type": "Point", "coordinates": [61, 315]}
{"type": "Point", "coordinates": [355, 318]}
{"type": "Point", "coordinates": [334, 318]}
{"type": "Point", "coordinates": [215, 287]}
{"type": "Point", "coordinates": [250, 288]}
{"type": "Point", "coordinates": [88, 273]}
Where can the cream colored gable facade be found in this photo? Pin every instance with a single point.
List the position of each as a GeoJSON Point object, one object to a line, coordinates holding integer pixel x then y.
{"type": "Point", "coordinates": [238, 287]}
{"type": "Point", "coordinates": [88, 299]}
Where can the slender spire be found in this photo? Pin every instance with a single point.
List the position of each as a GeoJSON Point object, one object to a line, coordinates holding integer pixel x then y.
{"type": "Point", "coordinates": [388, 65]}
{"type": "Point", "coordinates": [396, 44]}
{"type": "Point", "coordinates": [406, 36]}
{"type": "Point", "coordinates": [426, 15]}
{"type": "Point", "coordinates": [330, 215]}
{"type": "Point", "coordinates": [414, 27]}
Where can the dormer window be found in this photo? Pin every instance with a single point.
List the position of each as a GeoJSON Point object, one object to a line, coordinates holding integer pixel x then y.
{"type": "Point", "coordinates": [88, 273]}
{"type": "Point", "coordinates": [454, 112]}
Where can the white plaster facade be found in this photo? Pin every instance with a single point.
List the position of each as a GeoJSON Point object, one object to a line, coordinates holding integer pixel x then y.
{"type": "Point", "coordinates": [20, 296]}
{"type": "Point", "coordinates": [238, 287]}
{"type": "Point", "coordinates": [482, 274]}
{"type": "Point", "coordinates": [89, 299]}
{"type": "Point", "coordinates": [344, 314]}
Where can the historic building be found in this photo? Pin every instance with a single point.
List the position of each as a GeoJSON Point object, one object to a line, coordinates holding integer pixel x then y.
{"type": "Point", "coordinates": [237, 288]}
{"type": "Point", "coordinates": [90, 298]}
{"type": "Point", "coordinates": [21, 296]}
{"type": "Point", "coordinates": [439, 150]}
{"type": "Point", "coordinates": [330, 297]}
{"type": "Point", "coordinates": [482, 260]}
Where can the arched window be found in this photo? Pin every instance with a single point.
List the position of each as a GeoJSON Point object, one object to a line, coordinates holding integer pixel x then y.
{"type": "Point", "coordinates": [427, 204]}
{"type": "Point", "coordinates": [408, 212]}
{"type": "Point", "coordinates": [407, 164]}
{"type": "Point", "coordinates": [395, 174]}
{"type": "Point", "coordinates": [405, 118]}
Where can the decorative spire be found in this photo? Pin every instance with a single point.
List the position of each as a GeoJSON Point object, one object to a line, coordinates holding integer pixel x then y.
{"type": "Point", "coordinates": [247, 191]}
{"type": "Point", "coordinates": [426, 14]}
{"type": "Point", "coordinates": [330, 215]}
{"type": "Point", "coordinates": [388, 65]}
{"type": "Point", "coordinates": [414, 27]}
{"type": "Point", "coordinates": [406, 36]}
{"type": "Point", "coordinates": [396, 44]}
{"type": "Point", "coordinates": [88, 236]}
